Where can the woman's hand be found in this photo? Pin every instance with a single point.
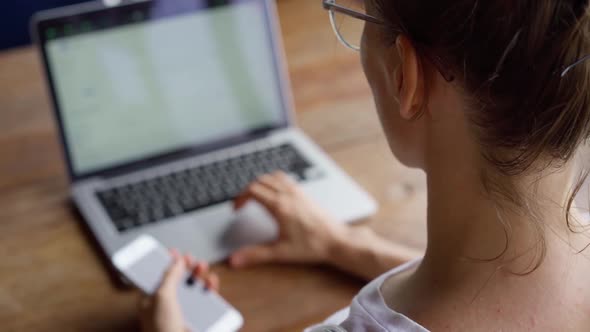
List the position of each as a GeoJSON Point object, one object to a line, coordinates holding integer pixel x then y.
{"type": "Point", "coordinates": [161, 312]}
{"type": "Point", "coordinates": [307, 233]}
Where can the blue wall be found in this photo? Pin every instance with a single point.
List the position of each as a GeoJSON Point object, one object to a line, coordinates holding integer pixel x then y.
{"type": "Point", "coordinates": [15, 15]}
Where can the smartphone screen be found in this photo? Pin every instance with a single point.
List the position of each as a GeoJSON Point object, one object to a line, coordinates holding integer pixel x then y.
{"type": "Point", "coordinates": [145, 261]}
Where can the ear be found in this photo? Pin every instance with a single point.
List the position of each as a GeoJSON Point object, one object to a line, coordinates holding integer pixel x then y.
{"type": "Point", "coordinates": [410, 79]}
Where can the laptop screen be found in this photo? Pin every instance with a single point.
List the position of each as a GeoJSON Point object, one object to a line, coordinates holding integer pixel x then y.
{"type": "Point", "coordinates": [139, 82]}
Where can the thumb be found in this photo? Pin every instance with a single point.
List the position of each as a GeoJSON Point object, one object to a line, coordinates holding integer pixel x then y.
{"type": "Point", "coordinates": [254, 255]}
{"type": "Point", "coordinates": [172, 278]}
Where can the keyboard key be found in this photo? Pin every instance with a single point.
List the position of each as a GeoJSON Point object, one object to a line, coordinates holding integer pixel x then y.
{"type": "Point", "coordinates": [164, 197]}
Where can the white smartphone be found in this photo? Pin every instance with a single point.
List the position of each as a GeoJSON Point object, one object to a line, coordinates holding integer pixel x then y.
{"type": "Point", "coordinates": [144, 262]}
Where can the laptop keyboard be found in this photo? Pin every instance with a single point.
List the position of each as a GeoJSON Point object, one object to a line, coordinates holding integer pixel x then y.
{"type": "Point", "coordinates": [159, 198]}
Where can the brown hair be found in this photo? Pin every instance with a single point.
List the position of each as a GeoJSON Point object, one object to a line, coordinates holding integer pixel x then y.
{"type": "Point", "coordinates": [509, 57]}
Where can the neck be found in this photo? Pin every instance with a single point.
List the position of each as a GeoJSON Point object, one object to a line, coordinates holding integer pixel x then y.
{"type": "Point", "coordinates": [466, 221]}
{"type": "Point", "coordinates": [468, 228]}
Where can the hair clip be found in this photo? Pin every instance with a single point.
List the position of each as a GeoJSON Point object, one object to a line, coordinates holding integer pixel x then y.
{"type": "Point", "coordinates": [567, 69]}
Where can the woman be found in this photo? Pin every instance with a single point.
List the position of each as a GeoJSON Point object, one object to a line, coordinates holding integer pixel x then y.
{"type": "Point", "coordinates": [490, 99]}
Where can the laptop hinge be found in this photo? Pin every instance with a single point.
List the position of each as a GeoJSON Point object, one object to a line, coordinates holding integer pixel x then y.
{"type": "Point", "coordinates": [186, 153]}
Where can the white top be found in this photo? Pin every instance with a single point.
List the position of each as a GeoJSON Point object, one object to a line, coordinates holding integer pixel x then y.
{"type": "Point", "coordinates": [369, 312]}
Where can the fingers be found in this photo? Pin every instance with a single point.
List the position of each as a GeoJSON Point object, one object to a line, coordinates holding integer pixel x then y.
{"type": "Point", "coordinates": [253, 255]}
{"type": "Point", "coordinates": [266, 190]}
{"type": "Point", "coordinates": [270, 182]}
{"type": "Point", "coordinates": [172, 277]}
{"type": "Point", "coordinates": [200, 270]}
{"type": "Point", "coordinates": [259, 192]}
{"type": "Point", "coordinates": [279, 181]}
{"type": "Point", "coordinates": [284, 180]}
{"type": "Point", "coordinates": [212, 282]}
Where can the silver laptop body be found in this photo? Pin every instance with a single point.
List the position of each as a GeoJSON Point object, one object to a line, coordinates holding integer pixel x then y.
{"type": "Point", "coordinates": [167, 108]}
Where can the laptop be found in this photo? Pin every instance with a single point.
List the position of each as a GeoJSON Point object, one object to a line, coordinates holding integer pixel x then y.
{"type": "Point", "coordinates": [168, 109]}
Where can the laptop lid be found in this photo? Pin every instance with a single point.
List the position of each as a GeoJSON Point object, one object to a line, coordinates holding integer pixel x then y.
{"type": "Point", "coordinates": [149, 81]}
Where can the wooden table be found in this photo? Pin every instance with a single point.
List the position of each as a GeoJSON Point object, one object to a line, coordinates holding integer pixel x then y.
{"type": "Point", "coordinates": [51, 275]}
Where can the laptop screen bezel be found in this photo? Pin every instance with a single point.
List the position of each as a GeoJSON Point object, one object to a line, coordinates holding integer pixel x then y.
{"type": "Point", "coordinates": [76, 13]}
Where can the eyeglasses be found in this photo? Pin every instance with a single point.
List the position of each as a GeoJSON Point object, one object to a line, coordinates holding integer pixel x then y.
{"type": "Point", "coordinates": [348, 22]}
{"type": "Point", "coordinates": [349, 32]}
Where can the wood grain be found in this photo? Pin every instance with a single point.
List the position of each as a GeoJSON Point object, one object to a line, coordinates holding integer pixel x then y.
{"type": "Point", "coordinates": [52, 277]}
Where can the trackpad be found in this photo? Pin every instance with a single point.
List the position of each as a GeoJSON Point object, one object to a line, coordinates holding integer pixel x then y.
{"type": "Point", "coordinates": [252, 225]}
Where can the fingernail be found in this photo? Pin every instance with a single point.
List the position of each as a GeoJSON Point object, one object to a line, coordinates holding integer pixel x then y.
{"type": "Point", "coordinates": [196, 272]}
{"type": "Point", "coordinates": [236, 261]}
